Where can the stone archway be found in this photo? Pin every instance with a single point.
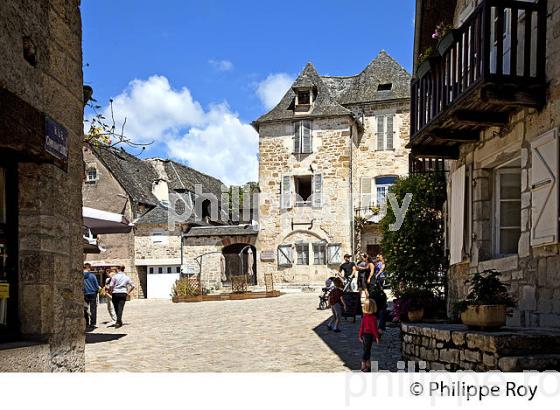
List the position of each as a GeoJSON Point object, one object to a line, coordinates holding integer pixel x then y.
{"type": "Point", "coordinates": [237, 259]}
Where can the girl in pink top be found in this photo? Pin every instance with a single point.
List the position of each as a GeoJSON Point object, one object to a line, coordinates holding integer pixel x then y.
{"type": "Point", "coordinates": [368, 332]}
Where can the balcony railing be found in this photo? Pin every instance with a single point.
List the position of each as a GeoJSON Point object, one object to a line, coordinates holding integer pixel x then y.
{"type": "Point", "coordinates": [496, 64]}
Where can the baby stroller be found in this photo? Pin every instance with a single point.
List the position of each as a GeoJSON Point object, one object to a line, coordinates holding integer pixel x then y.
{"type": "Point", "coordinates": [324, 297]}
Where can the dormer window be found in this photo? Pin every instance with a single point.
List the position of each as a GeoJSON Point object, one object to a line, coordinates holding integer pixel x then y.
{"type": "Point", "coordinates": [304, 99]}
{"type": "Point", "coordinates": [91, 175]}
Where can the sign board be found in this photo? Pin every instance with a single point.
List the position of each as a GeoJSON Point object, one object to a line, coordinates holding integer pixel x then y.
{"type": "Point", "coordinates": [268, 256]}
{"type": "Point", "coordinates": [4, 290]}
{"type": "Point", "coordinates": [56, 139]}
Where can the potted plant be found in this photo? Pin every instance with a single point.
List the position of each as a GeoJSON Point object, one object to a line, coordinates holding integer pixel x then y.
{"type": "Point", "coordinates": [426, 60]}
{"type": "Point", "coordinates": [446, 36]}
{"type": "Point", "coordinates": [486, 304]}
{"type": "Point", "coordinates": [413, 305]}
{"type": "Point", "coordinates": [415, 310]}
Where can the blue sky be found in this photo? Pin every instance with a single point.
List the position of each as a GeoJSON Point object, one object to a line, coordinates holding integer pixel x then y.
{"type": "Point", "coordinates": [191, 75]}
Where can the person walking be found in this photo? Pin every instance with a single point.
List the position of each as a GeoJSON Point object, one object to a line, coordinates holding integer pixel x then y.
{"type": "Point", "coordinates": [337, 304]}
{"type": "Point", "coordinates": [380, 270]}
{"type": "Point", "coordinates": [368, 333]}
{"type": "Point", "coordinates": [110, 308]}
{"type": "Point", "coordinates": [91, 289]}
{"type": "Point", "coordinates": [121, 287]}
{"type": "Point", "coordinates": [365, 270]}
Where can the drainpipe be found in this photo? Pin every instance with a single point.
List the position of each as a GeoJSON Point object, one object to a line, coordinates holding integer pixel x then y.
{"type": "Point", "coordinates": [351, 199]}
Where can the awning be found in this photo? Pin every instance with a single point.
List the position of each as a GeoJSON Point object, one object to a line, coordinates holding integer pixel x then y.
{"type": "Point", "coordinates": [103, 222]}
{"type": "Point", "coordinates": [91, 247]}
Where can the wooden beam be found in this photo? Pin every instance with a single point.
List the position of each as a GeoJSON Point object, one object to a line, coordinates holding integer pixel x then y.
{"type": "Point", "coordinates": [514, 96]}
{"type": "Point", "coordinates": [435, 151]}
{"type": "Point", "coordinates": [455, 135]}
{"type": "Point", "coordinates": [481, 118]}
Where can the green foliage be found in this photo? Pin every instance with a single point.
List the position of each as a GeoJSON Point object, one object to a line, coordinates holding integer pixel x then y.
{"type": "Point", "coordinates": [486, 288]}
{"type": "Point", "coordinates": [414, 254]}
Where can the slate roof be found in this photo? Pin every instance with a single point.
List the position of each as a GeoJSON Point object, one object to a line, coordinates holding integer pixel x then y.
{"type": "Point", "coordinates": [183, 177]}
{"type": "Point", "coordinates": [133, 174]}
{"type": "Point", "coordinates": [224, 230]}
{"type": "Point", "coordinates": [335, 94]}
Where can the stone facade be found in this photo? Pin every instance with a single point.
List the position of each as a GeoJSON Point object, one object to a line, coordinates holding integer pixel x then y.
{"type": "Point", "coordinates": [344, 153]}
{"type": "Point", "coordinates": [41, 75]}
{"type": "Point", "coordinates": [453, 347]}
{"type": "Point", "coordinates": [533, 271]}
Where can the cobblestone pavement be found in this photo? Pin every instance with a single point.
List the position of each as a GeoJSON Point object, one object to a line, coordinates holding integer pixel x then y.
{"type": "Point", "coordinates": [263, 335]}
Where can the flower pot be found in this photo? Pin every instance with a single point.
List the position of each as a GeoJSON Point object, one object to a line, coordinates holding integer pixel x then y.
{"type": "Point", "coordinates": [425, 66]}
{"type": "Point", "coordinates": [448, 41]}
{"type": "Point", "coordinates": [484, 316]}
{"type": "Point", "coordinates": [415, 315]}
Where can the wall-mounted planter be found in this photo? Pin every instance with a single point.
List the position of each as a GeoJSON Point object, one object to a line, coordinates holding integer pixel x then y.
{"type": "Point", "coordinates": [448, 41]}
{"type": "Point", "coordinates": [426, 66]}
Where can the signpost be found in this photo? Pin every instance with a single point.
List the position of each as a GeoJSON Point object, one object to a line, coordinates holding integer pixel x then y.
{"type": "Point", "coordinates": [56, 139]}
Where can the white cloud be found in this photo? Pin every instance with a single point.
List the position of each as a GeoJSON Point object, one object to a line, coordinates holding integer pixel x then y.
{"type": "Point", "coordinates": [213, 141]}
{"type": "Point", "coordinates": [221, 65]}
{"type": "Point", "coordinates": [271, 90]}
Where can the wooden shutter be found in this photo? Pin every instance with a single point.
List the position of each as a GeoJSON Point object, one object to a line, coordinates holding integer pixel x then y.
{"type": "Point", "coordinates": [544, 189]}
{"type": "Point", "coordinates": [457, 214]}
{"type": "Point", "coordinates": [390, 132]}
{"type": "Point", "coordinates": [306, 137]}
{"type": "Point", "coordinates": [380, 133]}
{"type": "Point", "coordinates": [333, 253]}
{"type": "Point", "coordinates": [366, 192]}
{"type": "Point", "coordinates": [286, 192]}
{"type": "Point", "coordinates": [317, 190]}
{"type": "Point", "coordinates": [285, 255]}
{"type": "Point", "coordinates": [297, 137]}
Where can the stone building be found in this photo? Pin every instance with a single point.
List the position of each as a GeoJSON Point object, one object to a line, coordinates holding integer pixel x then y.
{"type": "Point", "coordinates": [146, 192]}
{"type": "Point", "coordinates": [495, 118]}
{"type": "Point", "coordinates": [41, 113]}
{"type": "Point", "coordinates": [328, 153]}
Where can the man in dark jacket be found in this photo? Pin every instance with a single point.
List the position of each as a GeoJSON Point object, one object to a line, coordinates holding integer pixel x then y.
{"type": "Point", "coordinates": [91, 288]}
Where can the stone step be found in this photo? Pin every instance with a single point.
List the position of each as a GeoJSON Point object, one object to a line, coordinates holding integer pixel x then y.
{"type": "Point", "coordinates": [537, 362]}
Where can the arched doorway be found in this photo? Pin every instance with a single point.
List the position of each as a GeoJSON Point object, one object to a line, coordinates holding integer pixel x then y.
{"type": "Point", "coordinates": [239, 259]}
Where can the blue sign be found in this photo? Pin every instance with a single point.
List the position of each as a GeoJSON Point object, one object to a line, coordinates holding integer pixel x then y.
{"type": "Point", "coordinates": [56, 139]}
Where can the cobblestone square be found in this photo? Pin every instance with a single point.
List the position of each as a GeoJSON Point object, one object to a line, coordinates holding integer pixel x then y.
{"type": "Point", "coordinates": [264, 335]}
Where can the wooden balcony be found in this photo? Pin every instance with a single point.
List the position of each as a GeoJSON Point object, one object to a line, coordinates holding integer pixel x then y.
{"type": "Point", "coordinates": [494, 67]}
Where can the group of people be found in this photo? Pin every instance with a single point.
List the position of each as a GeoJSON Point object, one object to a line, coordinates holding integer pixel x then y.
{"type": "Point", "coordinates": [117, 288]}
{"type": "Point", "coordinates": [370, 274]}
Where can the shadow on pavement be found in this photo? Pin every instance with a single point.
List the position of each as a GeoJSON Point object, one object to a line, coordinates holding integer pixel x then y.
{"type": "Point", "coordinates": [103, 337]}
{"type": "Point", "coordinates": [344, 344]}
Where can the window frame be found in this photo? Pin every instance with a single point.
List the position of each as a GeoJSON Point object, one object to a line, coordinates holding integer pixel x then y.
{"type": "Point", "coordinates": [300, 202]}
{"type": "Point", "coordinates": [305, 254]}
{"type": "Point", "coordinates": [497, 201]}
{"type": "Point", "coordinates": [316, 260]}
{"type": "Point", "coordinates": [88, 173]}
{"type": "Point", "coordinates": [381, 145]}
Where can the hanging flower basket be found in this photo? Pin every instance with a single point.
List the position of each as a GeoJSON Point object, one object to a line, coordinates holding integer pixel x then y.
{"type": "Point", "coordinates": [448, 40]}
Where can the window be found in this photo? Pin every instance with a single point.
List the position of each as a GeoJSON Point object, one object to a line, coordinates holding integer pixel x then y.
{"type": "Point", "coordinates": [169, 269]}
{"type": "Point", "coordinates": [302, 252]}
{"type": "Point", "coordinates": [91, 175]}
{"type": "Point", "coordinates": [385, 132]}
{"type": "Point", "coordinates": [302, 138]}
{"type": "Point", "coordinates": [178, 269]}
{"type": "Point", "coordinates": [160, 269]}
{"type": "Point", "coordinates": [319, 253]}
{"type": "Point", "coordinates": [507, 209]}
{"type": "Point", "coordinates": [285, 255]}
{"type": "Point", "coordinates": [151, 270]}
{"type": "Point", "coordinates": [304, 97]}
{"type": "Point", "coordinates": [303, 186]}
{"type": "Point", "coordinates": [385, 87]}
{"type": "Point", "coordinates": [334, 256]}
{"type": "Point", "coordinates": [382, 185]}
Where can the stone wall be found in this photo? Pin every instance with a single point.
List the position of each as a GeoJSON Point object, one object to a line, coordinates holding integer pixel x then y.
{"type": "Point", "coordinates": [343, 156]}
{"type": "Point", "coordinates": [50, 222]}
{"type": "Point", "coordinates": [534, 272]}
{"type": "Point", "coordinates": [453, 347]}
{"type": "Point", "coordinates": [108, 195]}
